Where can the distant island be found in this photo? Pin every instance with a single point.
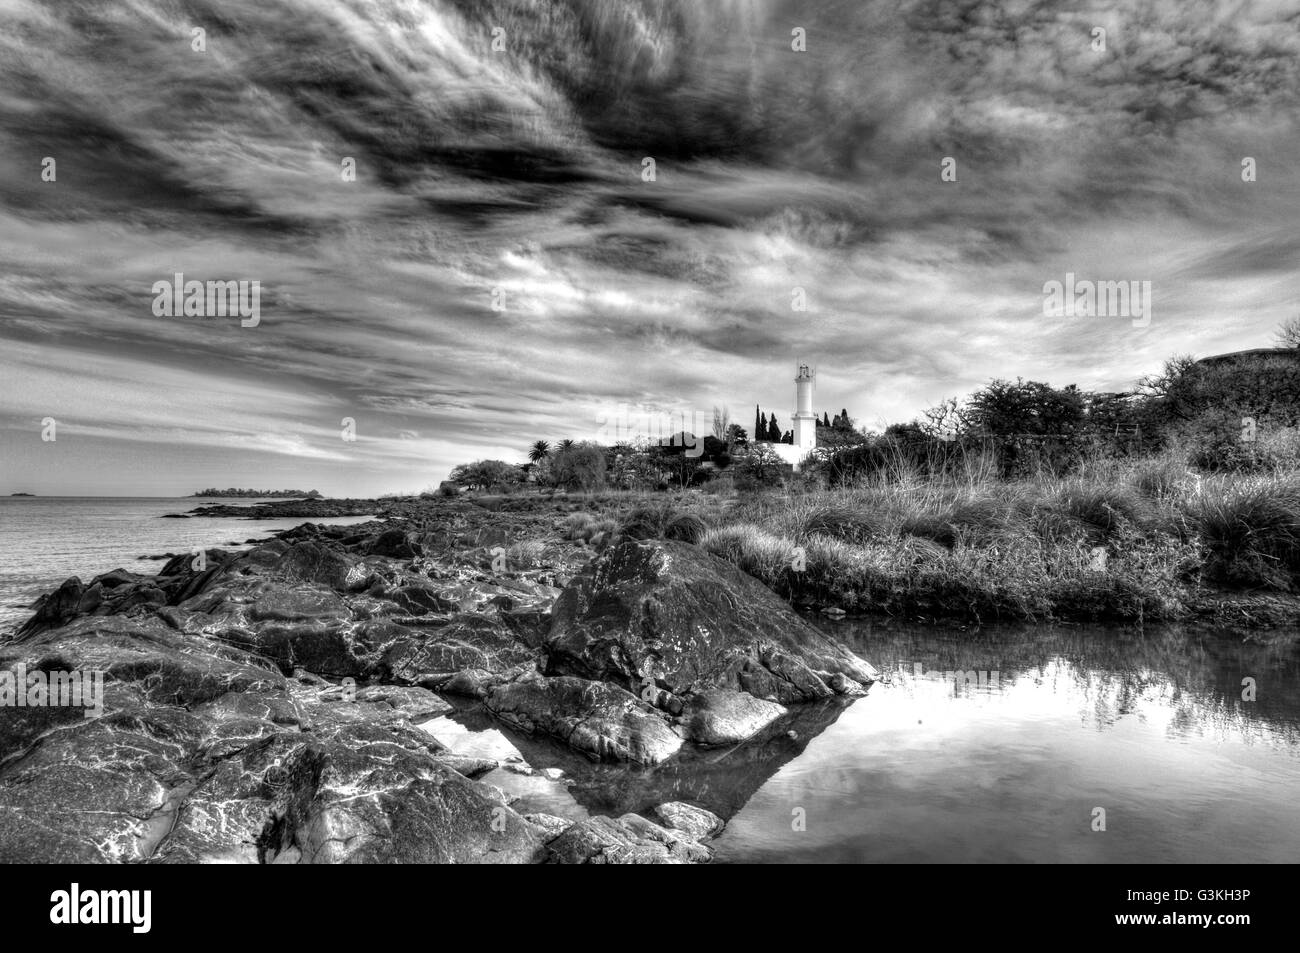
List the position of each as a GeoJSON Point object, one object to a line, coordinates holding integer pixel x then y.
{"type": "Point", "coordinates": [22, 494]}
{"type": "Point", "coordinates": [232, 491]}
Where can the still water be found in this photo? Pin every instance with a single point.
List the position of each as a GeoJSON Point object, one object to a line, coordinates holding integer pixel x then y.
{"type": "Point", "coordinates": [1150, 728]}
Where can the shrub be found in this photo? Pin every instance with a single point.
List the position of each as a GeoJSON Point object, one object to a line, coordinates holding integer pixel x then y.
{"type": "Point", "coordinates": [1100, 511]}
{"type": "Point", "coordinates": [587, 526]}
{"type": "Point", "coordinates": [579, 467]}
{"type": "Point", "coordinates": [686, 527]}
{"type": "Point", "coordinates": [1251, 532]}
{"type": "Point", "coordinates": [1160, 477]}
{"type": "Point", "coordinates": [844, 522]}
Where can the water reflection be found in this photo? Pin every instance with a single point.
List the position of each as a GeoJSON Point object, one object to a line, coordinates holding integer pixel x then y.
{"type": "Point", "coordinates": [1009, 760]}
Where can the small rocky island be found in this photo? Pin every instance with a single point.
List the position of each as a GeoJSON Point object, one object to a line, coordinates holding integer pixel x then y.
{"type": "Point", "coordinates": [265, 706]}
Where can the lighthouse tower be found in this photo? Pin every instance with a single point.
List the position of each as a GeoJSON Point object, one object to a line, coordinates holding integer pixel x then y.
{"type": "Point", "coordinates": [805, 421]}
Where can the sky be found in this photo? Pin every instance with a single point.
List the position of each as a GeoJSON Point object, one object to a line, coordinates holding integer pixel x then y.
{"type": "Point", "coordinates": [503, 268]}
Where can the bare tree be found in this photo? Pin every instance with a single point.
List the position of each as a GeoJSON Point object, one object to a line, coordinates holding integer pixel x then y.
{"type": "Point", "coordinates": [1288, 333]}
{"type": "Point", "coordinates": [944, 420]}
{"type": "Point", "coordinates": [1157, 385]}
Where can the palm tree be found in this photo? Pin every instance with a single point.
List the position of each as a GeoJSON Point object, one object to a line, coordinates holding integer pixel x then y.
{"type": "Point", "coordinates": [539, 451]}
{"type": "Point", "coordinates": [567, 444]}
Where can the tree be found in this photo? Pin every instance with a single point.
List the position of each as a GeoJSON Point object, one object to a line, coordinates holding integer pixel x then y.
{"type": "Point", "coordinates": [736, 435]}
{"type": "Point", "coordinates": [539, 451]}
{"type": "Point", "coordinates": [788, 437]}
{"type": "Point", "coordinates": [773, 430]}
{"type": "Point", "coordinates": [1025, 408]}
{"type": "Point", "coordinates": [758, 465]}
{"type": "Point", "coordinates": [944, 420]}
{"type": "Point", "coordinates": [1288, 333]}
{"type": "Point", "coordinates": [567, 444]}
{"type": "Point", "coordinates": [635, 468]}
{"type": "Point", "coordinates": [826, 420]}
{"type": "Point", "coordinates": [486, 475]}
{"type": "Point", "coordinates": [580, 466]}
{"type": "Point", "coordinates": [681, 467]}
{"type": "Point", "coordinates": [831, 438]}
{"type": "Point", "coordinates": [758, 424]}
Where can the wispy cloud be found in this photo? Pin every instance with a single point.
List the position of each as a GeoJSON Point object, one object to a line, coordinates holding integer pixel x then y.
{"type": "Point", "coordinates": [515, 177]}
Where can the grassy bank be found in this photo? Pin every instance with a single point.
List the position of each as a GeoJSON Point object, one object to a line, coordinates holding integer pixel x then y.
{"type": "Point", "coordinates": [1151, 541]}
{"type": "Point", "coordinates": [1147, 541]}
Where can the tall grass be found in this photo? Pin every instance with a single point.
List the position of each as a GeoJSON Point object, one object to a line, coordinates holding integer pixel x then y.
{"type": "Point", "coordinates": [1137, 541]}
{"type": "Point", "coordinates": [1251, 530]}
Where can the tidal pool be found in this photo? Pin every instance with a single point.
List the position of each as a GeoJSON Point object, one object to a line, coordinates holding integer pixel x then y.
{"type": "Point", "coordinates": [1188, 741]}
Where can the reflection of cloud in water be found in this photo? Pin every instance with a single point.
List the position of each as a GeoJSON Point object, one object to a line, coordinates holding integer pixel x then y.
{"type": "Point", "coordinates": [1150, 726]}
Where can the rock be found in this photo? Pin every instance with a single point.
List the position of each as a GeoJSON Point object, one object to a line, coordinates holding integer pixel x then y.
{"type": "Point", "coordinates": [117, 577]}
{"type": "Point", "coordinates": [696, 622]}
{"type": "Point", "coordinates": [463, 764]}
{"type": "Point", "coordinates": [412, 702]}
{"type": "Point", "coordinates": [394, 544]}
{"type": "Point", "coordinates": [693, 822]}
{"type": "Point", "coordinates": [146, 595]}
{"type": "Point", "coordinates": [55, 608]}
{"type": "Point", "coordinates": [407, 810]}
{"type": "Point", "coordinates": [721, 716]}
{"type": "Point", "coordinates": [550, 825]}
{"type": "Point", "coordinates": [601, 720]}
{"type": "Point", "coordinates": [310, 561]}
{"type": "Point", "coordinates": [225, 735]}
{"type": "Point", "coordinates": [421, 600]}
{"type": "Point", "coordinates": [202, 757]}
{"type": "Point", "coordinates": [465, 643]}
{"type": "Point", "coordinates": [90, 599]}
{"type": "Point", "coordinates": [301, 603]}
{"type": "Point", "coordinates": [630, 839]}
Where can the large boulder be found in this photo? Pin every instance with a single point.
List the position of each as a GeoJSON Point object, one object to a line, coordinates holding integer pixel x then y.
{"type": "Point", "coordinates": [692, 622]}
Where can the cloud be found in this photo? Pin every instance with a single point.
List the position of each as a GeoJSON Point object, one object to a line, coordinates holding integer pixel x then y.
{"type": "Point", "coordinates": [514, 177]}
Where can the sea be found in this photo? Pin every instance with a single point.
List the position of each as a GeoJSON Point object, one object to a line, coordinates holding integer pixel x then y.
{"type": "Point", "coordinates": [44, 540]}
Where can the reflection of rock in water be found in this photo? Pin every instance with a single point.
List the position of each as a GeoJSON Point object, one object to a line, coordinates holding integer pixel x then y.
{"type": "Point", "coordinates": [721, 779]}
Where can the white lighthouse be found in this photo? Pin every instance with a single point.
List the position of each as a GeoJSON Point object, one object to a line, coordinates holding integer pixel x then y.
{"type": "Point", "coordinates": [805, 421]}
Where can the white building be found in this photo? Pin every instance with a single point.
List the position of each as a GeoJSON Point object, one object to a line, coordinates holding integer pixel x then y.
{"type": "Point", "coordinates": [805, 421]}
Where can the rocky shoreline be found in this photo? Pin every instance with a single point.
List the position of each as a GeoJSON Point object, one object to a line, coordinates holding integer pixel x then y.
{"type": "Point", "coordinates": [307, 508]}
{"type": "Point", "coordinates": [266, 706]}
